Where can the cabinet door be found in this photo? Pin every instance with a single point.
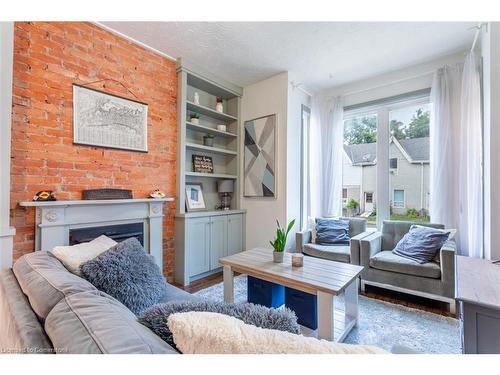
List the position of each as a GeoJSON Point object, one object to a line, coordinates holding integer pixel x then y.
{"type": "Point", "coordinates": [218, 240]}
{"type": "Point", "coordinates": [234, 234]}
{"type": "Point", "coordinates": [198, 245]}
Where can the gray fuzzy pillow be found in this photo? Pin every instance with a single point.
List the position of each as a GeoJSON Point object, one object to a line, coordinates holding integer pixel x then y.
{"type": "Point", "coordinates": [127, 273]}
{"type": "Point", "coordinates": [155, 318]}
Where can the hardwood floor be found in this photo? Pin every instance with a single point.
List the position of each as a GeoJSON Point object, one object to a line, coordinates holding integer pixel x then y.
{"type": "Point", "coordinates": [415, 302]}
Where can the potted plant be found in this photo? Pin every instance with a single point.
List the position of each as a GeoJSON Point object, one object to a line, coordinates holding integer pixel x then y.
{"type": "Point", "coordinates": [352, 207]}
{"type": "Point", "coordinates": [279, 242]}
{"type": "Point", "coordinates": [208, 140]}
{"type": "Point", "coordinates": [195, 118]}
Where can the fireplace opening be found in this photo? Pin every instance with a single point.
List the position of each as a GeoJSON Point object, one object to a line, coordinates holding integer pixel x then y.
{"type": "Point", "coordinates": [119, 233]}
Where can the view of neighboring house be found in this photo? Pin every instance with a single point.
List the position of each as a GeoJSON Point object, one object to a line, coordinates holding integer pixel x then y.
{"type": "Point", "coordinates": [409, 176]}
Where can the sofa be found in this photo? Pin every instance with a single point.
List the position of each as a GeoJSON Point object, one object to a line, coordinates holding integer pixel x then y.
{"type": "Point", "coordinates": [46, 309]}
{"type": "Point", "coordinates": [383, 268]}
{"type": "Point", "coordinates": [339, 253]}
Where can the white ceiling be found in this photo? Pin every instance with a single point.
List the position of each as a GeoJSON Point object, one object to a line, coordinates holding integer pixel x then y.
{"type": "Point", "coordinates": [320, 54]}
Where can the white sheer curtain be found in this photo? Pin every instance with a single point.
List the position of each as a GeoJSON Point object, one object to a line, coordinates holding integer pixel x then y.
{"type": "Point", "coordinates": [325, 157]}
{"type": "Point", "coordinates": [456, 154]}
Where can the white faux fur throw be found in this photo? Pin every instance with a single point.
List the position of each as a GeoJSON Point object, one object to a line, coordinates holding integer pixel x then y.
{"type": "Point", "coordinates": [212, 333]}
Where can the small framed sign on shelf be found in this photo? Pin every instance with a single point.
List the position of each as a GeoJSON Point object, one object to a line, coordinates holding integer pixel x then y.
{"type": "Point", "coordinates": [203, 164]}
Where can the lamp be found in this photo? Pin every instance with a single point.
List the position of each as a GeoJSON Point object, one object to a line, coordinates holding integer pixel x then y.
{"type": "Point", "coordinates": [225, 189]}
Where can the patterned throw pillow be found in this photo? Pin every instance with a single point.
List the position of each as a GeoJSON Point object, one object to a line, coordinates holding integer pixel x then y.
{"type": "Point", "coordinates": [421, 243]}
{"type": "Point", "coordinates": [127, 273]}
{"type": "Point", "coordinates": [332, 232]}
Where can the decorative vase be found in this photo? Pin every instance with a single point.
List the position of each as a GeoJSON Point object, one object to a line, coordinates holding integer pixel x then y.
{"type": "Point", "coordinates": [222, 127]}
{"type": "Point", "coordinates": [208, 141]}
{"type": "Point", "coordinates": [219, 107]}
{"type": "Point", "coordinates": [196, 98]}
{"type": "Point", "coordinates": [195, 120]}
{"type": "Point", "coordinates": [278, 256]}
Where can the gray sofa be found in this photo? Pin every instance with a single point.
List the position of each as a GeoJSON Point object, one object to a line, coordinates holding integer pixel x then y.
{"type": "Point", "coordinates": [339, 253]}
{"type": "Point", "coordinates": [46, 309]}
{"type": "Point", "coordinates": [382, 268]}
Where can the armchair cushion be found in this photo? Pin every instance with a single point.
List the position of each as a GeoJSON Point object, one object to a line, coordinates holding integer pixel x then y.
{"type": "Point", "coordinates": [337, 253]}
{"type": "Point", "coordinates": [332, 231]}
{"type": "Point", "coordinates": [421, 243]}
{"type": "Point", "coordinates": [388, 261]}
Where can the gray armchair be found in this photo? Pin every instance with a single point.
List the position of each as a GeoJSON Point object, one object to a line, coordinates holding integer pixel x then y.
{"type": "Point", "coordinates": [339, 253]}
{"type": "Point", "coordinates": [382, 268]}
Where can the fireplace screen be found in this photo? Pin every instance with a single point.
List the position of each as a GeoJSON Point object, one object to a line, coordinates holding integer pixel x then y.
{"type": "Point", "coordinates": [117, 232]}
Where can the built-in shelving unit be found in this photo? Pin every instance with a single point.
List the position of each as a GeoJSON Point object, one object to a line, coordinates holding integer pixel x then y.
{"type": "Point", "coordinates": [203, 237]}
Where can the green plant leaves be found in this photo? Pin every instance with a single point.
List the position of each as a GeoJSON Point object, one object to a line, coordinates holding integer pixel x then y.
{"type": "Point", "coordinates": [279, 242]}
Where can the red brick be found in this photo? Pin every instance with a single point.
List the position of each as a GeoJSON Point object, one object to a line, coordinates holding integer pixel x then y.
{"type": "Point", "coordinates": [48, 58]}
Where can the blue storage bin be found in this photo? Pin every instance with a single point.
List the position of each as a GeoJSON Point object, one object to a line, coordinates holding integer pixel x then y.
{"type": "Point", "coordinates": [265, 293]}
{"type": "Point", "coordinates": [305, 306]}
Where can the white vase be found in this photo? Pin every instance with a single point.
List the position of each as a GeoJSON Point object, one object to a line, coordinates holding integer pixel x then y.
{"type": "Point", "coordinates": [196, 98]}
{"type": "Point", "coordinates": [219, 107]}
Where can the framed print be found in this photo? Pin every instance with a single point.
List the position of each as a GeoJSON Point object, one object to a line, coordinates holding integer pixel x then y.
{"type": "Point", "coordinates": [203, 164]}
{"type": "Point", "coordinates": [105, 120]}
{"type": "Point", "coordinates": [194, 197]}
{"type": "Point", "coordinates": [260, 157]}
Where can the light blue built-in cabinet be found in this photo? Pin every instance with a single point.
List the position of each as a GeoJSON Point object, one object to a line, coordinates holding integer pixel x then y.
{"type": "Point", "coordinates": [203, 237]}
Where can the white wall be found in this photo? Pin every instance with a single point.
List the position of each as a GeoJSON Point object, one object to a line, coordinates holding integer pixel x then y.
{"type": "Point", "coordinates": [398, 82]}
{"type": "Point", "coordinates": [260, 99]}
{"type": "Point", "coordinates": [490, 51]}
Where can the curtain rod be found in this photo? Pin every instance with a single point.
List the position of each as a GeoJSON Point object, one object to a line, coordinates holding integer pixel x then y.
{"type": "Point", "coordinates": [476, 35]}
{"type": "Point", "coordinates": [299, 87]}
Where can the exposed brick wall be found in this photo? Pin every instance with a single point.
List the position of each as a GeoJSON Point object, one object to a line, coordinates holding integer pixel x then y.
{"type": "Point", "coordinates": [48, 58]}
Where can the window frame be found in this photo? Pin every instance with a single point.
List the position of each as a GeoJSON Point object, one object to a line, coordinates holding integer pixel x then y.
{"type": "Point", "coordinates": [394, 198]}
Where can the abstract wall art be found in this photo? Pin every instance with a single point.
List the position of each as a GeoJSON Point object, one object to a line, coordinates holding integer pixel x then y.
{"type": "Point", "coordinates": [260, 157]}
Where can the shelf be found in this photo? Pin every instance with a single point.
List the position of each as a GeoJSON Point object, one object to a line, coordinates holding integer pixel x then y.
{"type": "Point", "coordinates": [210, 87]}
{"type": "Point", "coordinates": [212, 175]}
{"type": "Point", "coordinates": [206, 129]}
{"type": "Point", "coordinates": [209, 112]}
{"type": "Point", "coordinates": [215, 150]}
{"type": "Point", "coordinates": [210, 213]}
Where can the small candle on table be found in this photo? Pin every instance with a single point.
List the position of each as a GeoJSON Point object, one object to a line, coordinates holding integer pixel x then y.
{"type": "Point", "coordinates": [297, 260]}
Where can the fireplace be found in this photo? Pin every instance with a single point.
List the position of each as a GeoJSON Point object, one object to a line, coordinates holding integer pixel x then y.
{"type": "Point", "coordinates": [71, 222]}
{"type": "Point", "coordinates": [118, 233]}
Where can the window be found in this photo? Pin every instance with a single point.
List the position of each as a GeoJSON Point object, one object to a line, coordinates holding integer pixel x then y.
{"type": "Point", "coordinates": [368, 197]}
{"type": "Point", "coordinates": [304, 161]}
{"type": "Point", "coordinates": [359, 165]}
{"type": "Point", "coordinates": [398, 198]}
{"type": "Point", "coordinates": [393, 163]}
{"type": "Point", "coordinates": [386, 158]}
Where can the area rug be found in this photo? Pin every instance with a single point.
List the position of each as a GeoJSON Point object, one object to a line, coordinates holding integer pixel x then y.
{"type": "Point", "coordinates": [380, 323]}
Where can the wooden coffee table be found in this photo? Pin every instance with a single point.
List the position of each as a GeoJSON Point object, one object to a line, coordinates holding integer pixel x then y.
{"type": "Point", "coordinates": [324, 278]}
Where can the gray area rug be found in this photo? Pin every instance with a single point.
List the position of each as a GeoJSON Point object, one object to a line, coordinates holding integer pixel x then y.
{"type": "Point", "coordinates": [380, 323]}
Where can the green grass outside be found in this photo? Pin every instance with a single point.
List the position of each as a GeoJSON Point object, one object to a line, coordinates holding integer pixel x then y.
{"type": "Point", "coordinates": [419, 219]}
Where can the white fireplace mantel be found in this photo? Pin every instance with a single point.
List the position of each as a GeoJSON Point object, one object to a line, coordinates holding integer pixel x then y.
{"type": "Point", "coordinates": [54, 220]}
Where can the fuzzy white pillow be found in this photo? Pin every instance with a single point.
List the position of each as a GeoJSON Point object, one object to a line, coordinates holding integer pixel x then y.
{"type": "Point", "coordinates": [212, 333]}
{"type": "Point", "coordinates": [73, 256]}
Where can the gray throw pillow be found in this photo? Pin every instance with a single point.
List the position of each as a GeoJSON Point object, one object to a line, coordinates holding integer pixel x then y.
{"type": "Point", "coordinates": [421, 243]}
{"type": "Point", "coordinates": [127, 273]}
{"type": "Point", "coordinates": [155, 318]}
{"type": "Point", "coordinates": [332, 232]}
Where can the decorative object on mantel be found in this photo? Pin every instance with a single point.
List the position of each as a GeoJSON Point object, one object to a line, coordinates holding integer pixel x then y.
{"type": "Point", "coordinates": [106, 120]}
{"type": "Point", "coordinates": [260, 143]}
{"type": "Point", "coordinates": [194, 118]}
{"type": "Point", "coordinates": [222, 127]}
{"type": "Point", "coordinates": [203, 164]}
{"type": "Point", "coordinates": [225, 189]}
{"type": "Point", "coordinates": [219, 107]}
{"type": "Point", "coordinates": [101, 194]}
{"type": "Point", "coordinates": [279, 243]}
{"type": "Point", "coordinates": [297, 260]}
{"type": "Point", "coordinates": [196, 98]}
{"type": "Point", "coordinates": [208, 140]}
{"type": "Point", "coordinates": [45, 196]}
{"type": "Point", "coordinates": [194, 197]}
{"type": "Point", "coordinates": [157, 193]}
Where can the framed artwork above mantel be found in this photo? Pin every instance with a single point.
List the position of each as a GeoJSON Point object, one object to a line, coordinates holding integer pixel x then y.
{"type": "Point", "coordinates": [106, 120]}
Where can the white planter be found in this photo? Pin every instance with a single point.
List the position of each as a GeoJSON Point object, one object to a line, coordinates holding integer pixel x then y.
{"type": "Point", "coordinates": [195, 121]}
{"type": "Point", "coordinates": [278, 256]}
